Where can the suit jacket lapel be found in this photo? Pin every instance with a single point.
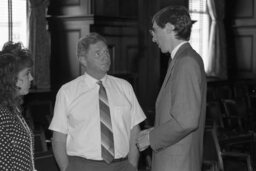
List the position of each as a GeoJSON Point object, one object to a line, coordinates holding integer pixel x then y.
{"type": "Point", "coordinates": [167, 76]}
{"type": "Point", "coordinates": [171, 66]}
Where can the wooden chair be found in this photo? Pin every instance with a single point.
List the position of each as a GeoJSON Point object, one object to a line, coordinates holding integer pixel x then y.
{"type": "Point", "coordinates": [40, 113]}
{"type": "Point", "coordinates": [214, 115]}
{"type": "Point", "coordinates": [224, 92]}
{"type": "Point", "coordinates": [236, 112]}
{"type": "Point", "coordinates": [40, 144]}
{"type": "Point", "coordinates": [222, 161]}
{"type": "Point", "coordinates": [216, 118]}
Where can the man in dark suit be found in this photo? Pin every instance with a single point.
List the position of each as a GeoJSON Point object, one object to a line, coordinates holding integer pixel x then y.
{"type": "Point", "coordinates": [177, 136]}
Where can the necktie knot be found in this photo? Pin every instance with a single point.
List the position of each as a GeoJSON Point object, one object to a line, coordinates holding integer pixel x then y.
{"type": "Point", "coordinates": [100, 83]}
{"type": "Point", "coordinates": [102, 92]}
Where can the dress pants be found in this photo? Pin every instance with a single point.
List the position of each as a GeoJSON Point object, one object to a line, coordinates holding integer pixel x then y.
{"type": "Point", "coordinates": [82, 164]}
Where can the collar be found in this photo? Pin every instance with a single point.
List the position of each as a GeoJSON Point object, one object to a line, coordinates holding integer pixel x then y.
{"type": "Point", "coordinates": [174, 51]}
{"type": "Point", "coordinates": [91, 81]}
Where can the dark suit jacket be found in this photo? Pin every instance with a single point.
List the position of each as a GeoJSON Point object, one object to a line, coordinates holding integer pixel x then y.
{"type": "Point", "coordinates": [177, 139]}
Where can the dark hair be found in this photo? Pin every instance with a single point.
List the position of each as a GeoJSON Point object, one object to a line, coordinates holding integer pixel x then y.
{"type": "Point", "coordinates": [179, 17]}
{"type": "Point", "coordinates": [13, 58]}
{"type": "Point", "coordinates": [85, 42]}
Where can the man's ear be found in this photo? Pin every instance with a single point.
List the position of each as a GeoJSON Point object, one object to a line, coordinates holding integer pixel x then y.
{"type": "Point", "coordinates": [169, 27]}
{"type": "Point", "coordinates": [82, 60]}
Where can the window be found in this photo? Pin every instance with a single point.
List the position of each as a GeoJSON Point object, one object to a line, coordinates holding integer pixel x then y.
{"type": "Point", "coordinates": [13, 21]}
{"type": "Point", "coordinates": [200, 30]}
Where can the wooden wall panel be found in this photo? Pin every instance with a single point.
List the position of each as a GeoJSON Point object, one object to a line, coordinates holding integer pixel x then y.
{"type": "Point", "coordinates": [245, 52]}
{"type": "Point", "coordinates": [66, 66]}
{"type": "Point", "coordinates": [106, 7]}
{"type": "Point", "coordinates": [241, 38]}
{"type": "Point", "coordinates": [70, 55]}
{"type": "Point", "coordinates": [244, 12]}
{"type": "Point", "coordinates": [132, 58]}
{"type": "Point", "coordinates": [69, 7]}
{"type": "Point", "coordinates": [111, 8]}
{"type": "Point", "coordinates": [121, 36]}
{"type": "Point", "coordinates": [65, 35]}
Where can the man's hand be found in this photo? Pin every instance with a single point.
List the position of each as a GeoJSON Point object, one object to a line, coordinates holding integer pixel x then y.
{"type": "Point", "coordinates": [143, 139]}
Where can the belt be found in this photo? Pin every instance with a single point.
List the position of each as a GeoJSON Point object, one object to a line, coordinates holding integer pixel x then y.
{"type": "Point", "coordinates": [113, 161]}
{"type": "Point", "coordinates": [99, 161]}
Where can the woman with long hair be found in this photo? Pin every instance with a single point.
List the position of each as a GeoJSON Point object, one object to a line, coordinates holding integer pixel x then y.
{"type": "Point", "coordinates": [16, 138]}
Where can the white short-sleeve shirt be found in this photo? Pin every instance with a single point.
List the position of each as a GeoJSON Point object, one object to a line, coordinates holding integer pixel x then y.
{"type": "Point", "coordinates": [76, 113]}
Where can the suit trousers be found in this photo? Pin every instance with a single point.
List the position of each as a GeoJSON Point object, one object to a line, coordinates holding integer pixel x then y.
{"type": "Point", "coordinates": [82, 164]}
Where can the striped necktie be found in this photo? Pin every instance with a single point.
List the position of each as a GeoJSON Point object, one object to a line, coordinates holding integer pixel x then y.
{"type": "Point", "coordinates": [107, 141]}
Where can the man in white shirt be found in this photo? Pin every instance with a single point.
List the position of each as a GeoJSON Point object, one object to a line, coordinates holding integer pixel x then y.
{"type": "Point", "coordinates": [76, 124]}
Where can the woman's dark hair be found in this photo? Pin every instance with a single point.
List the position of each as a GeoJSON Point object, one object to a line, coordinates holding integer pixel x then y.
{"type": "Point", "coordinates": [179, 17]}
{"type": "Point", "coordinates": [13, 58]}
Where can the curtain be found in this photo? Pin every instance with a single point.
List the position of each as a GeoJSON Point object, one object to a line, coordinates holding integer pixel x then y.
{"type": "Point", "coordinates": [217, 40]}
{"type": "Point", "coordinates": [39, 43]}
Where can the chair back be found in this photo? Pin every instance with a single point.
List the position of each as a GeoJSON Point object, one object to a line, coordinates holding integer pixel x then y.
{"type": "Point", "coordinates": [40, 141]}
{"type": "Point", "coordinates": [212, 151]}
{"type": "Point", "coordinates": [214, 116]}
{"type": "Point", "coordinates": [227, 161]}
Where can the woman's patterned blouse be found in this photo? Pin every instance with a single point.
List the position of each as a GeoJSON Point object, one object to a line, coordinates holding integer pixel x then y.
{"type": "Point", "coordinates": [15, 143]}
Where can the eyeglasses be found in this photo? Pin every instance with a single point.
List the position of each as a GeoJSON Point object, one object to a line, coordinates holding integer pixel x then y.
{"type": "Point", "coordinates": [102, 52]}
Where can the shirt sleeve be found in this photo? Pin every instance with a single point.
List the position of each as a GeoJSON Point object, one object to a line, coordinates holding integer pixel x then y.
{"type": "Point", "coordinates": [59, 121]}
{"type": "Point", "coordinates": [137, 113]}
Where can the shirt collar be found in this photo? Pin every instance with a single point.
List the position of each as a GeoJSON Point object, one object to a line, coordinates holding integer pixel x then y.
{"type": "Point", "coordinates": [91, 81]}
{"type": "Point", "coordinates": [174, 51]}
